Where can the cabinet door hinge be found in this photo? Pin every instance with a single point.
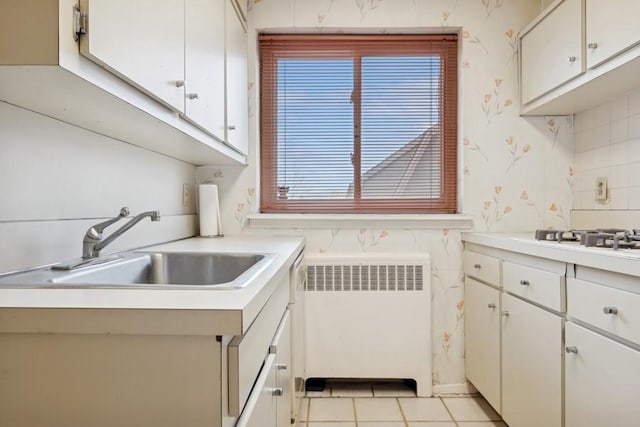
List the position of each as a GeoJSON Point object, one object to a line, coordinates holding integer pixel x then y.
{"type": "Point", "coordinates": [79, 22]}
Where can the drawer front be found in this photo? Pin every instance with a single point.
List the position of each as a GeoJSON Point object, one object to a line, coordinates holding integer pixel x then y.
{"type": "Point", "coordinates": [482, 267]}
{"type": "Point", "coordinates": [542, 287]}
{"type": "Point", "coordinates": [601, 380]}
{"type": "Point", "coordinates": [247, 352]}
{"type": "Point", "coordinates": [281, 347]}
{"type": "Point", "coordinates": [261, 407]}
{"type": "Point", "coordinates": [612, 310]}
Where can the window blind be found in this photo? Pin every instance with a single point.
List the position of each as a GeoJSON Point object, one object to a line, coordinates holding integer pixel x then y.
{"type": "Point", "coordinates": [358, 123]}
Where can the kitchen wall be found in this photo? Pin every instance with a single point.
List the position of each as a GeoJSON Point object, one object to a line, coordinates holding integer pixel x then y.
{"type": "Point", "coordinates": [516, 172]}
{"type": "Point", "coordinates": [545, 3]}
{"type": "Point", "coordinates": [607, 144]}
{"type": "Point", "coordinates": [56, 180]}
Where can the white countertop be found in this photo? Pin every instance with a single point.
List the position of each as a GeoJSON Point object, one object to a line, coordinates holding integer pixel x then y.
{"type": "Point", "coordinates": [625, 261]}
{"type": "Point", "coordinates": [228, 311]}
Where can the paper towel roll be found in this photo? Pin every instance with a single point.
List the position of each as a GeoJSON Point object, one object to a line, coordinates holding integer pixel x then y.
{"type": "Point", "coordinates": [209, 210]}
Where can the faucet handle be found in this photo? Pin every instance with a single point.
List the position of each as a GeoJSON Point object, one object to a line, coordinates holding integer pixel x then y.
{"type": "Point", "coordinates": [99, 228]}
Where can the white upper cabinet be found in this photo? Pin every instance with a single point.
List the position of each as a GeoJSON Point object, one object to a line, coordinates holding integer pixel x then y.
{"type": "Point", "coordinates": [140, 41]}
{"type": "Point", "coordinates": [612, 26]}
{"type": "Point", "coordinates": [237, 116]}
{"type": "Point", "coordinates": [204, 64]}
{"type": "Point", "coordinates": [129, 84]}
{"type": "Point", "coordinates": [577, 54]}
{"type": "Point", "coordinates": [552, 51]}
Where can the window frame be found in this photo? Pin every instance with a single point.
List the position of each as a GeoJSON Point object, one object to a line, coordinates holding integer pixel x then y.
{"type": "Point", "coordinates": [270, 53]}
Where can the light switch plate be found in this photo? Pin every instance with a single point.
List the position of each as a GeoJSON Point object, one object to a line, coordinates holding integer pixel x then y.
{"type": "Point", "coordinates": [602, 189]}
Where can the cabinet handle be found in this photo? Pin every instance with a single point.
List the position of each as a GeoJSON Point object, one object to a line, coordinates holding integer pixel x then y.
{"type": "Point", "coordinates": [281, 366]}
{"type": "Point", "coordinates": [492, 306]}
{"type": "Point", "coordinates": [573, 350]}
{"type": "Point", "coordinates": [231, 127]}
{"type": "Point", "coordinates": [477, 265]}
{"type": "Point", "coordinates": [524, 282]}
{"type": "Point", "coordinates": [572, 59]}
{"type": "Point", "coordinates": [610, 310]}
{"type": "Point", "coordinates": [505, 313]}
{"type": "Point", "coordinates": [593, 46]}
{"type": "Point", "coordinates": [192, 96]}
{"type": "Point", "coordinates": [277, 391]}
{"type": "Point", "coordinates": [179, 83]}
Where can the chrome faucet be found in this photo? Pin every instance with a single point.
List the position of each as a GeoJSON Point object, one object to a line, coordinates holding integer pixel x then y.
{"type": "Point", "coordinates": [93, 243]}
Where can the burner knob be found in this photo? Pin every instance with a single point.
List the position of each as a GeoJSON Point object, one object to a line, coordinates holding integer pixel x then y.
{"type": "Point", "coordinates": [610, 310]}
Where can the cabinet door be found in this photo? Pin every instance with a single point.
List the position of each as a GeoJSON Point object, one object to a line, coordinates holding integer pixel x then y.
{"type": "Point", "coordinates": [204, 64]}
{"type": "Point", "coordinates": [237, 81]}
{"type": "Point", "coordinates": [282, 347]}
{"type": "Point", "coordinates": [601, 381]}
{"type": "Point", "coordinates": [260, 410]}
{"type": "Point", "coordinates": [551, 51]}
{"type": "Point", "coordinates": [298, 349]}
{"type": "Point", "coordinates": [531, 365]}
{"type": "Point", "coordinates": [612, 26]}
{"type": "Point", "coordinates": [482, 339]}
{"type": "Point", "coordinates": [142, 42]}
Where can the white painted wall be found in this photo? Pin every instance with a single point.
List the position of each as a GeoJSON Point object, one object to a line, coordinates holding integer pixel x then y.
{"type": "Point", "coordinates": [56, 180]}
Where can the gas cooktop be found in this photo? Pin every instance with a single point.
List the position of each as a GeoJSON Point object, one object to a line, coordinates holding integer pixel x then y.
{"type": "Point", "coordinates": [614, 238]}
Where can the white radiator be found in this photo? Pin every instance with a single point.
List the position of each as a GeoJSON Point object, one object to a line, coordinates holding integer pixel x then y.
{"type": "Point", "coordinates": [369, 316]}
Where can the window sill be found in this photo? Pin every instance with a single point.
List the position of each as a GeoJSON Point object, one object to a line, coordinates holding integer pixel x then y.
{"type": "Point", "coordinates": [323, 221]}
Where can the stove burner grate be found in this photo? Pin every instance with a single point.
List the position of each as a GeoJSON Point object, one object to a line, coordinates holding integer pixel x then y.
{"type": "Point", "coordinates": [615, 238]}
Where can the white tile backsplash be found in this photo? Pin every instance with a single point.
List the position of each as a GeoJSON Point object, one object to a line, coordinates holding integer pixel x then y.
{"type": "Point", "coordinates": [620, 153]}
{"type": "Point", "coordinates": [619, 178]}
{"type": "Point", "coordinates": [620, 130]}
{"type": "Point", "coordinates": [634, 126]}
{"type": "Point", "coordinates": [634, 102]}
{"type": "Point", "coordinates": [603, 115]}
{"type": "Point", "coordinates": [619, 108]}
{"type": "Point", "coordinates": [607, 144]}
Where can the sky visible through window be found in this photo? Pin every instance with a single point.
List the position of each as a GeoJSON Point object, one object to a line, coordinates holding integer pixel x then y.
{"type": "Point", "coordinates": [315, 119]}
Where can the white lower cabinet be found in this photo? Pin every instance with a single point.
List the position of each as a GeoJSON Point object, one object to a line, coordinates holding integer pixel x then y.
{"type": "Point", "coordinates": [260, 410]}
{"type": "Point", "coordinates": [599, 391]}
{"type": "Point", "coordinates": [531, 365]}
{"type": "Point", "coordinates": [281, 347]}
{"type": "Point", "coordinates": [482, 326]}
{"type": "Point", "coordinates": [269, 404]}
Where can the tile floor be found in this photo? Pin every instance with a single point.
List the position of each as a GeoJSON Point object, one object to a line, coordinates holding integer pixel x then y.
{"type": "Point", "coordinates": [390, 405]}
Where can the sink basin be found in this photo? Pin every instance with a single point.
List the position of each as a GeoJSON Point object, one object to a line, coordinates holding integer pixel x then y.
{"type": "Point", "coordinates": [201, 270]}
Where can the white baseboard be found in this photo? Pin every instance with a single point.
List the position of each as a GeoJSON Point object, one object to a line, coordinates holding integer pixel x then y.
{"type": "Point", "coordinates": [449, 389]}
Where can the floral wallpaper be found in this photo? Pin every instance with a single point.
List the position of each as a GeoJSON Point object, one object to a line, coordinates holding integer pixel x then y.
{"type": "Point", "coordinates": [516, 172]}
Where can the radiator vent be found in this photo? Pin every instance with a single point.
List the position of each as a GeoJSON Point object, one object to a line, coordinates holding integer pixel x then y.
{"type": "Point", "coordinates": [365, 277]}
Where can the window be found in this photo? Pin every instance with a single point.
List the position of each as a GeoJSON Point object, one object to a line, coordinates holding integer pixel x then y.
{"type": "Point", "coordinates": [358, 123]}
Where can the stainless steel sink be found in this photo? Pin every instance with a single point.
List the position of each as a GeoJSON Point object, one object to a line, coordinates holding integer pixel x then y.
{"type": "Point", "coordinates": [158, 270]}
